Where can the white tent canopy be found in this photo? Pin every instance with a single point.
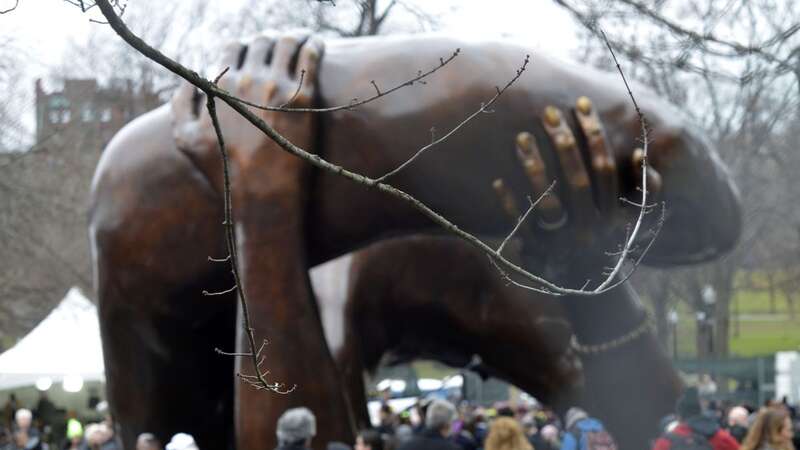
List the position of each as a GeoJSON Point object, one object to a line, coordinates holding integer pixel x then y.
{"type": "Point", "coordinates": [66, 344]}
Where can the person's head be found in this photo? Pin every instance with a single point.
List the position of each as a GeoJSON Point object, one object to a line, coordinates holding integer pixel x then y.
{"type": "Point", "coordinates": [23, 418]}
{"type": "Point", "coordinates": [147, 441]}
{"type": "Point", "coordinates": [386, 414]}
{"type": "Point", "coordinates": [369, 440]}
{"type": "Point", "coordinates": [296, 426]}
{"type": "Point", "coordinates": [738, 416]}
{"type": "Point", "coordinates": [772, 427]}
{"type": "Point", "coordinates": [528, 424]}
{"type": "Point", "coordinates": [105, 432]}
{"type": "Point", "coordinates": [94, 435]}
{"type": "Point", "coordinates": [182, 441]}
{"type": "Point", "coordinates": [440, 416]}
{"type": "Point", "coordinates": [506, 434]}
{"type": "Point", "coordinates": [574, 415]}
{"type": "Point", "coordinates": [688, 404]}
{"type": "Point", "coordinates": [550, 433]}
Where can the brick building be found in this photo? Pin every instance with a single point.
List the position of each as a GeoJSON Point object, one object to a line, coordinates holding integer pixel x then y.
{"type": "Point", "coordinates": [44, 196]}
{"type": "Point", "coordinates": [96, 112]}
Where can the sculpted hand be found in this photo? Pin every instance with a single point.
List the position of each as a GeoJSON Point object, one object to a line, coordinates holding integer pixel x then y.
{"type": "Point", "coordinates": [583, 217]}
{"type": "Point", "coordinates": [270, 71]}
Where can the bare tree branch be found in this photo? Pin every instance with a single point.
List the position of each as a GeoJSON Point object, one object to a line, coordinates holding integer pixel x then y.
{"type": "Point", "coordinates": [484, 108]}
{"type": "Point", "coordinates": [355, 103]}
{"type": "Point", "coordinates": [531, 206]}
{"type": "Point", "coordinates": [211, 90]}
{"type": "Point", "coordinates": [6, 11]}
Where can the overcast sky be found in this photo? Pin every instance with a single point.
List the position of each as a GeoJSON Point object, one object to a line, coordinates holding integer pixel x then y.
{"type": "Point", "coordinates": [44, 26]}
{"type": "Point", "coordinates": [42, 29]}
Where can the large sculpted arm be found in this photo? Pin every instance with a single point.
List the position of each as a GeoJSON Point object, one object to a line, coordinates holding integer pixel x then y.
{"type": "Point", "coordinates": [456, 177]}
{"type": "Point", "coordinates": [157, 205]}
{"type": "Point", "coordinates": [377, 137]}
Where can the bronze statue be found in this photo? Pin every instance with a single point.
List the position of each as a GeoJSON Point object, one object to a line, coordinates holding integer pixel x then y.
{"type": "Point", "coordinates": [438, 298]}
{"type": "Point", "coordinates": [156, 212]}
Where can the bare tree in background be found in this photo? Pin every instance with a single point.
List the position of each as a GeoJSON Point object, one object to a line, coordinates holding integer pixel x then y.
{"type": "Point", "coordinates": [43, 190]}
{"type": "Point", "coordinates": [13, 132]}
{"type": "Point", "coordinates": [350, 18]}
{"type": "Point", "coordinates": [734, 64]}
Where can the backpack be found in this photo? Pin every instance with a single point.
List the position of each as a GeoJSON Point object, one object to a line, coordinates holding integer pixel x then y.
{"type": "Point", "coordinates": [595, 440]}
{"type": "Point", "coordinates": [692, 442]}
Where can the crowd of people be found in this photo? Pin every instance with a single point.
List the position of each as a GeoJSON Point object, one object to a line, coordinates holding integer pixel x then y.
{"type": "Point", "coordinates": [440, 425]}
{"type": "Point", "coordinates": [729, 427]}
{"type": "Point", "coordinates": [696, 425]}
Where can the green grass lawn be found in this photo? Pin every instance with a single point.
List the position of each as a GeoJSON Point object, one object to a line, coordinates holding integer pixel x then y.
{"type": "Point", "coordinates": [760, 331]}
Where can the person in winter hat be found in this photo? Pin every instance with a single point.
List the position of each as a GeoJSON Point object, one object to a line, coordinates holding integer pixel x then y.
{"type": "Point", "coordinates": [694, 429]}
{"type": "Point", "coordinates": [296, 427]}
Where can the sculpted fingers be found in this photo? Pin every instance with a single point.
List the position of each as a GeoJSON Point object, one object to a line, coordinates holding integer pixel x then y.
{"type": "Point", "coordinates": [183, 103]}
{"type": "Point", "coordinates": [286, 52]}
{"type": "Point", "coordinates": [549, 210]}
{"type": "Point", "coordinates": [259, 53]}
{"type": "Point", "coordinates": [601, 159]}
{"type": "Point", "coordinates": [581, 205]}
{"type": "Point", "coordinates": [233, 56]}
{"type": "Point", "coordinates": [308, 62]}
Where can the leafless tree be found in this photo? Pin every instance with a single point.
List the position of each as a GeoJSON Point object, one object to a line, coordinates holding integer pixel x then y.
{"type": "Point", "coordinates": [43, 188]}
{"type": "Point", "coordinates": [733, 64]}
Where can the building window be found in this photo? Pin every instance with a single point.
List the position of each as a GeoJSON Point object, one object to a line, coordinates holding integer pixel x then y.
{"type": "Point", "coordinates": [66, 115]}
{"type": "Point", "coordinates": [105, 115]}
{"type": "Point", "coordinates": [55, 116]}
{"type": "Point", "coordinates": [87, 114]}
{"type": "Point", "coordinates": [57, 101]}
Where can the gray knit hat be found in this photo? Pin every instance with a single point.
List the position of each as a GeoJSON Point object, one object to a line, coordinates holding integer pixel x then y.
{"type": "Point", "coordinates": [296, 425]}
{"type": "Point", "coordinates": [574, 414]}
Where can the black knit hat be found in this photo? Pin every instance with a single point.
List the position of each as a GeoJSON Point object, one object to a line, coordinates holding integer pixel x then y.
{"type": "Point", "coordinates": [688, 404]}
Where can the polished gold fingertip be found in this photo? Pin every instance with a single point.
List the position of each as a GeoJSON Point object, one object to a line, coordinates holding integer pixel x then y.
{"type": "Point", "coordinates": [524, 141]}
{"type": "Point", "coordinates": [584, 105]}
{"type": "Point", "coordinates": [552, 116]}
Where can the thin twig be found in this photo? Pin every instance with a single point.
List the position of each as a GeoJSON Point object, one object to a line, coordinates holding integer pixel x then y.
{"type": "Point", "coordinates": [355, 103]}
{"type": "Point", "coordinates": [296, 92]}
{"type": "Point", "coordinates": [643, 210]}
{"type": "Point", "coordinates": [455, 129]}
{"type": "Point", "coordinates": [230, 240]}
{"type": "Point", "coordinates": [217, 293]}
{"type": "Point", "coordinates": [522, 218]}
{"type": "Point", "coordinates": [6, 11]}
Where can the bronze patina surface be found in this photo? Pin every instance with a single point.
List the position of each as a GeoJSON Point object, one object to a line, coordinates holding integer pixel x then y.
{"type": "Point", "coordinates": [156, 212]}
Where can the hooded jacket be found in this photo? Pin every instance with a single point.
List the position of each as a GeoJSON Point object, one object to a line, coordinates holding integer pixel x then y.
{"type": "Point", "coordinates": [704, 426]}
{"type": "Point", "coordinates": [583, 426]}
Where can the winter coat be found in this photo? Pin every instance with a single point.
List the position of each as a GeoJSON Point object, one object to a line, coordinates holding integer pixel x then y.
{"type": "Point", "coordinates": [583, 426]}
{"type": "Point", "coordinates": [429, 440]}
{"type": "Point", "coordinates": [738, 432]}
{"type": "Point", "coordinates": [704, 426]}
{"type": "Point", "coordinates": [294, 446]}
